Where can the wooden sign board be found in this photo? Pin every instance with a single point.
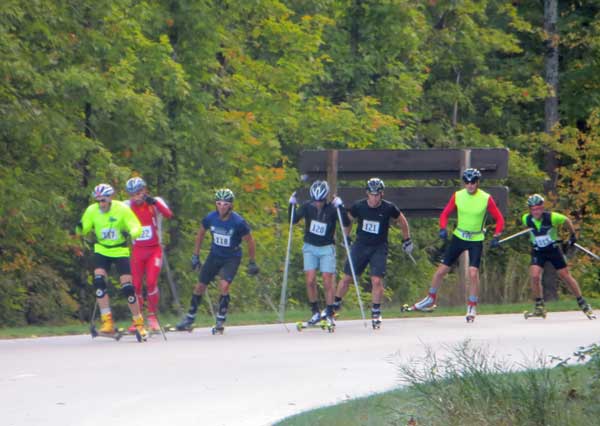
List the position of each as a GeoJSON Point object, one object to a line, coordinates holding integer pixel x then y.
{"type": "Point", "coordinates": [405, 164]}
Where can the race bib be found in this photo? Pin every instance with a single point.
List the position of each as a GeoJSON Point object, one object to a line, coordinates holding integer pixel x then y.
{"type": "Point", "coordinates": [370, 226]}
{"type": "Point", "coordinates": [109, 234]}
{"type": "Point", "coordinates": [543, 240]}
{"type": "Point", "coordinates": [222, 240]}
{"type": "Point", "coordinates": [318, 228]}
{"type": "Point", "coordinates": [146, 233]}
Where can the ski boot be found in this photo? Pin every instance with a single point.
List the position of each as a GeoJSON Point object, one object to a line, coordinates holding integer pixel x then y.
{"type": "Point", "coordinates": [587, 310]}
{"type": "Point", "coordinates": [140, 332]}
{"type": "Point", "coordinates": [538, 311]}
{"type": "Point", "coordinates": [153, 324]}
{"type": "Point", "coordinates": [471, 313]}
{"type": "Point", "coordinates": [108, 325]}
{"type": "Point", "coordinates": [376, 320]}
{"type": "Point", "coordinates": [186, 324]}
{"type": "Point", "coordinates": [219, 327]}
{"type": "Point", "coordinates": [107, 329]}
{"type": "Point", "coordinates": [315, 320]}
{"type": "Point", "coordinates": [425, 305]}
{"type": "Point", "coordinates": [132, 328]}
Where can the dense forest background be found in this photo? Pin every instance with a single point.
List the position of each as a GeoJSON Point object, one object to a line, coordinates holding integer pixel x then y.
{"type": "Point", "coordinates": [195, 95]}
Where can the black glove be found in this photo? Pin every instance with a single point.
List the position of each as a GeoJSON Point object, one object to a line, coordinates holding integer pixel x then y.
{"type": "Point", "coordinates": [495, 243]}
{"type": "Point", "coordinates": [149, 199]}
{"type": "Point", "coordinates": [572, 240]}
{"type": "Point", "coordinates": [252, 268]}
{"type": "Point", "coordinates": [443, 234]}
{"type": "Point", "coordinates": [196, 262]}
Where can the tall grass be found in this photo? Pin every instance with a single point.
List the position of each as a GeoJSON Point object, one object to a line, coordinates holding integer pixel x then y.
{"type": "Point", "coordinates": [469, 386]}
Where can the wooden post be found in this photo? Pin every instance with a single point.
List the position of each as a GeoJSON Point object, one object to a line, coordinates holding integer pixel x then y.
{"type": "Point", "coordinates": [332, 169]}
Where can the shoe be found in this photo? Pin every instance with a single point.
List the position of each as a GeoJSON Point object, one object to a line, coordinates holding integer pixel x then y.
{"type": "Point", "coordinates": [139, 326]}
{"type": "Point", "coordinates": [132, 327]}
{"type": "Point", "coordinates": [471, 313]}
{"type": "Point", "coordinates": [427, 304]}
{"type": "Point", "coordinates": [315, 319]}
{"type": "Point", "coordinates": [186, 323]}
{"type": "Point", "coordinates": [108, 325]}
{"type": "Point", "coordinates": [153, 323]}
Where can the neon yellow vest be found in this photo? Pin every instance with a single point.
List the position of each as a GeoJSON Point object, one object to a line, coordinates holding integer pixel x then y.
{"type": "Point", "coordinates": [471, 211]}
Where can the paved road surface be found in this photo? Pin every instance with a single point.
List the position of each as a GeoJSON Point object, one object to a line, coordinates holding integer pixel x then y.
{"type": "Point", "coordinates": [251, 376]}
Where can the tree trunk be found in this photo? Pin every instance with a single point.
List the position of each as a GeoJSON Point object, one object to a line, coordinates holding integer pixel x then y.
{"type": "Point", "coordinates": [550, 277]}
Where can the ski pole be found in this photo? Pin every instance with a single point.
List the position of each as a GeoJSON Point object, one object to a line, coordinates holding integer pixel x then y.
{"type": "Point", "coordinates": [285, 271]}
{"type": "Point", "coordinates": [412, 258]}
{"type": "Point", "coordinates": [362, 310]}
{"type": "Point", "coordinates": [586, 251]}
{"type": "Point", "coordinates": [517, 234]}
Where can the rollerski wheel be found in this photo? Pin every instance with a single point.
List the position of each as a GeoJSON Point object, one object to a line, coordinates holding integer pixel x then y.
{"type": "Point", "coordinates": [590, 315]}
{"type": "Point", "coordinates": [300, 326]}
{"type": "Point", "coordinates": [539, 314]}
{"type": "Point", "coordinates": [95, 333]}
{"type": "Point", "coordinates": [171, 328]}
{"type": "Point", "coordinates": [217, 330]}
{"type": "Point", "coordinates": [408, 308]}
{"type": "Point", "coordinates": [139, 337]}
{"type": "Point", "coordinates": [376, 324]}
{"type": "Point", "coordinates": [470, 318]}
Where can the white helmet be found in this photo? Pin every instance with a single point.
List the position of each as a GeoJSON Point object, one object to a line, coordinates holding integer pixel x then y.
{"type": "Point", "coordinates": [103, 190]}
{"type": "Point", "coordinates": [135, 184]}
{"type": "Point", "coordinates": [319, 190]}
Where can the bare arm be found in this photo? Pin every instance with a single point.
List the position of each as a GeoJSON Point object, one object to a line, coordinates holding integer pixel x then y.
{"type": "Point", "coordinates": [199, 240]}
{"type": "Point", "coordinates": [403, 224]}
{"type": "Point", "coordinates": [251, 246]}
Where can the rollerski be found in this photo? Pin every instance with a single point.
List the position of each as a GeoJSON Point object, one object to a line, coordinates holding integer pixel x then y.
{"type": "Point", "coordinates": [538, 311]}
{"type": "Point", "coordinates": [376, 320]}
{"type": "Point", "coordinates": [186, 324]}
{"type": "Point", "coordinates": [315, 321]}
{"type": "Point", "coordinates": [471, 313]}
{"type": "Point", "coordinates": [587, 310]}
{"type": "Point", "coordinates": [107, 329]}
{"type": "Point", "coordinates": [219, 327]}
{"type": "Point", "coordinates": [328, 324]}
{"type": "Point", "coordinates": [425, 305]}
{"type": "Point", "coordinates": [141, 334]}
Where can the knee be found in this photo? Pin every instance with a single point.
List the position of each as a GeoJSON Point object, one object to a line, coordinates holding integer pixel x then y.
{"type": "Point", "coordinates": [100, 286]}
{"type": "Point", "coordinates": [129, 292]}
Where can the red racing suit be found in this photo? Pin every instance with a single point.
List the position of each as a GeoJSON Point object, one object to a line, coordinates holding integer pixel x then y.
{"type": "Point", "coordinates": [146, 256]}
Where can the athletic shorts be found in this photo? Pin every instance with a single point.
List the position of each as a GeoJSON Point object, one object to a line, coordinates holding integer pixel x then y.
{"type": "Point", "coordinates": [104, 262]}
{"type": "Point", "coordinates": [554, 256]}
{"type": "Point", "coordinates": [319, 257]}
{"type": "Point", "coordinates": [363, 255]}
{"type": "Point", "coordinates": [457, 246]}
{"type": "Point", "coordinates": [225, 267]}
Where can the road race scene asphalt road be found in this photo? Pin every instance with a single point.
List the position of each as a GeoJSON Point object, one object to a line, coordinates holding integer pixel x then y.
{"type": "Point", "coordinates": [251, 375]}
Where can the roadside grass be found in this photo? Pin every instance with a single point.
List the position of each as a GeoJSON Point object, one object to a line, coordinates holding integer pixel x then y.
{"type": "Point", "coordinates": [293, 315]}
{"type": "Point", "coordinates": [470, 387]}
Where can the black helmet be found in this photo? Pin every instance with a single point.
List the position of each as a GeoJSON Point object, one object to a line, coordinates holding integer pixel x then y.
{"type": "Point", "coordinates": [535, 200]}
{"type": "Point", "coordinates": [471, 175]}
{"type": "Point", "coordinates": [319, 190]}
{"type": "Point", "coordinates": [375, 186]}
{"type": "Point", "coordinates": [224, 194]}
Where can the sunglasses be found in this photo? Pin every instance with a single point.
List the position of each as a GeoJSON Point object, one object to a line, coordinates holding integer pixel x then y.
{"type": "Point", "coordinates": [103, 200]}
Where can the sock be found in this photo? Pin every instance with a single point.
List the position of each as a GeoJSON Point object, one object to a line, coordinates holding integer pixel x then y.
{"type": "Point", "coordinates": [194, 303]}
{"type": "Point", "coordinates": [314, 306]}
{"type": "Point", "coordinates": [376, 309]}
{"type": "Point", "coordinates": [539, 301]}
{"type": "Point", "coordinates": [223, 305]}
{"type": "Point", "coordinates": [581, 301]}
{"type": "Point", "coordinates": [338, 301]}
